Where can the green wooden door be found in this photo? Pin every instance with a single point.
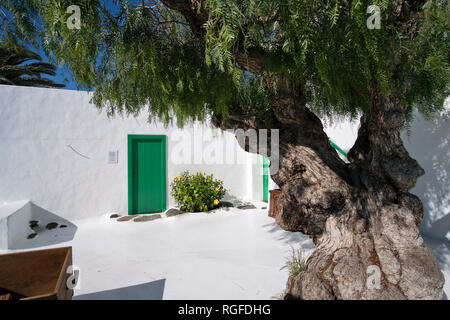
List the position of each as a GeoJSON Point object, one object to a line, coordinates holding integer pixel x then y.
{"type": "Point", "coordinates": [146, 174]}
{"type": "Point", "coordinates": [265, 179]}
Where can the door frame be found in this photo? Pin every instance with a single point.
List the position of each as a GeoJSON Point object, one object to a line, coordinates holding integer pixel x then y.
{"type": "Point", "coordinates": [130, 139]}
{"type": "Point", "coordinates": [265, 179]}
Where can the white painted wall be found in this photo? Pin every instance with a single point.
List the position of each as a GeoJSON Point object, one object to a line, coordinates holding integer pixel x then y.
{"type": "Point", "coordinates": [257, 178]}
{"type": "Point", "coordinates": [41, 128]}
{"type": "Point", "coordinates": [429, 143]}
{"type": "Point", "coordinates": [343, 132]}
{"type": "Point", "coordinates": [37, 126]}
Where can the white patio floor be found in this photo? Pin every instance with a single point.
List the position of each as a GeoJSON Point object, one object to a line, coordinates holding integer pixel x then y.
{"type": "Point", "coordinates": [234, 254]}
{"type": "Point", "coordinates": [226, 254]}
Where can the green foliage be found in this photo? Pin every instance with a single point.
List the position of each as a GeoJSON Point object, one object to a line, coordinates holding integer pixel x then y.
{"type": "Point", "coordinates": [296, 262]}
{"type": "Point", "coordinates": [146, 56]}
{"type": "Point", "coordinates": [326, 47]}
{"type": "Point", "coordinates": [17, 69]}
{"type": "Point", "coordinates": [197, 192]}
{"type": "Point", "coordinates": [134, 57]}
{"type": "Point", "coordinates": [352, 63]}
{"type": "Point", "coordinates": [430, 83]}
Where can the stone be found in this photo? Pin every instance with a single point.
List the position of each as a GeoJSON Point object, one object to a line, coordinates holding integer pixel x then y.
{"type": "Point", "coordinates": [63, 226]}
{"type": "Point", "coordinates": [173, 212]}
{"type": "Point", "coordinates": [226, 204]}
{"type": "Point", "coordinates": [264, 208]}
{"type": "Point", "coordinates": [34, 224]}
{"type": "Point", "coordinates": [147, 218]}
{"type": "Point", "coordinates": [51, 225]}
{"type": "Point", "coordinates": [32, 235]}
{"type": "Point", "coordinates": [114, 216]}
{"type": "Point", "coordinates": [125, 218]}
{"type": "Point", "coordinates": [247, 207]}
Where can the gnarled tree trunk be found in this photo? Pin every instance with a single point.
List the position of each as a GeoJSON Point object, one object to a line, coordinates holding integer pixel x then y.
{"type": "Point", "coordinates": [361, 217]}
{"type": "Point", "coordinates": [364, 224]}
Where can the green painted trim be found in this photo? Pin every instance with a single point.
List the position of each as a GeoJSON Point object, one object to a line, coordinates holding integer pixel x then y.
{"type": "Point", "coordinates": [338, 149]}
{"type": "Point", "coordinates": [265, 179]}
{"type": "Point", "coordinates": [130, 139]}
{"type": "Point", "coordinates": [129, 174]}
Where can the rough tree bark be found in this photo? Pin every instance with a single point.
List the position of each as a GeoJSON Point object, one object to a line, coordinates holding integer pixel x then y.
{"type": "Point", "coordinates": [359, 214]}
{"type": "Point", "coordinates": [368, 220]}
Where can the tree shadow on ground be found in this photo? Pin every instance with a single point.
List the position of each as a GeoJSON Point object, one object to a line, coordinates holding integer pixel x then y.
{"type": "Point", "coordinates": [289, 237]}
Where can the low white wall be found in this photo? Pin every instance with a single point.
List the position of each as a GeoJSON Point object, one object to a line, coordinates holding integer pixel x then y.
{"type": "Point", "coordinates": [14, 223]}
{"type": "Point", "coordinates": [54, 149]}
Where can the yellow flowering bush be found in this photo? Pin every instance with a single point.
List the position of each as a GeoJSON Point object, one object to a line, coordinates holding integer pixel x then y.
{"type": "Point", "coordinates": [197, 192]}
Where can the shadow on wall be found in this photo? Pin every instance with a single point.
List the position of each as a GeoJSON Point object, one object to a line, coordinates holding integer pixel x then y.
{"type": "Point", "coordinates": [147, 291]}
{"type": "Point", "coordinates": [48, 229]}
{"type": "Point", "coordinates": [429, 144]}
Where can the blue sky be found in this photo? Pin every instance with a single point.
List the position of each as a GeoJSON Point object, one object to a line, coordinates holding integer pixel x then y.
{"type": "Point", "coordinates": [63, 75]}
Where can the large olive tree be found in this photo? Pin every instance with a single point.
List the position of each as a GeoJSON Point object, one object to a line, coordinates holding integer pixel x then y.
{"type": "Point", "coordinates": [283, 64]}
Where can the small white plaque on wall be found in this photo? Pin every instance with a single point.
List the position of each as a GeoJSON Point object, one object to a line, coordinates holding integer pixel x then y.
{"type": "Point", "coordinates": [113, 157]}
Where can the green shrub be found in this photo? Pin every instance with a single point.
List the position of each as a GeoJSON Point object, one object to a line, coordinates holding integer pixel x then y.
{"type": "Point", "coordinates": [197, 192]}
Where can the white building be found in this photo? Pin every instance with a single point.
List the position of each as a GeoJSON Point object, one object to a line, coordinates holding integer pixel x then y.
{"type": "Point", "coordinates": [62, 153]}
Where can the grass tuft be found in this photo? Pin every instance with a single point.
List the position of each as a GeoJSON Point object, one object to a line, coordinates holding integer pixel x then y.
{"type": "Point", "coordinates": [296, 262]}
